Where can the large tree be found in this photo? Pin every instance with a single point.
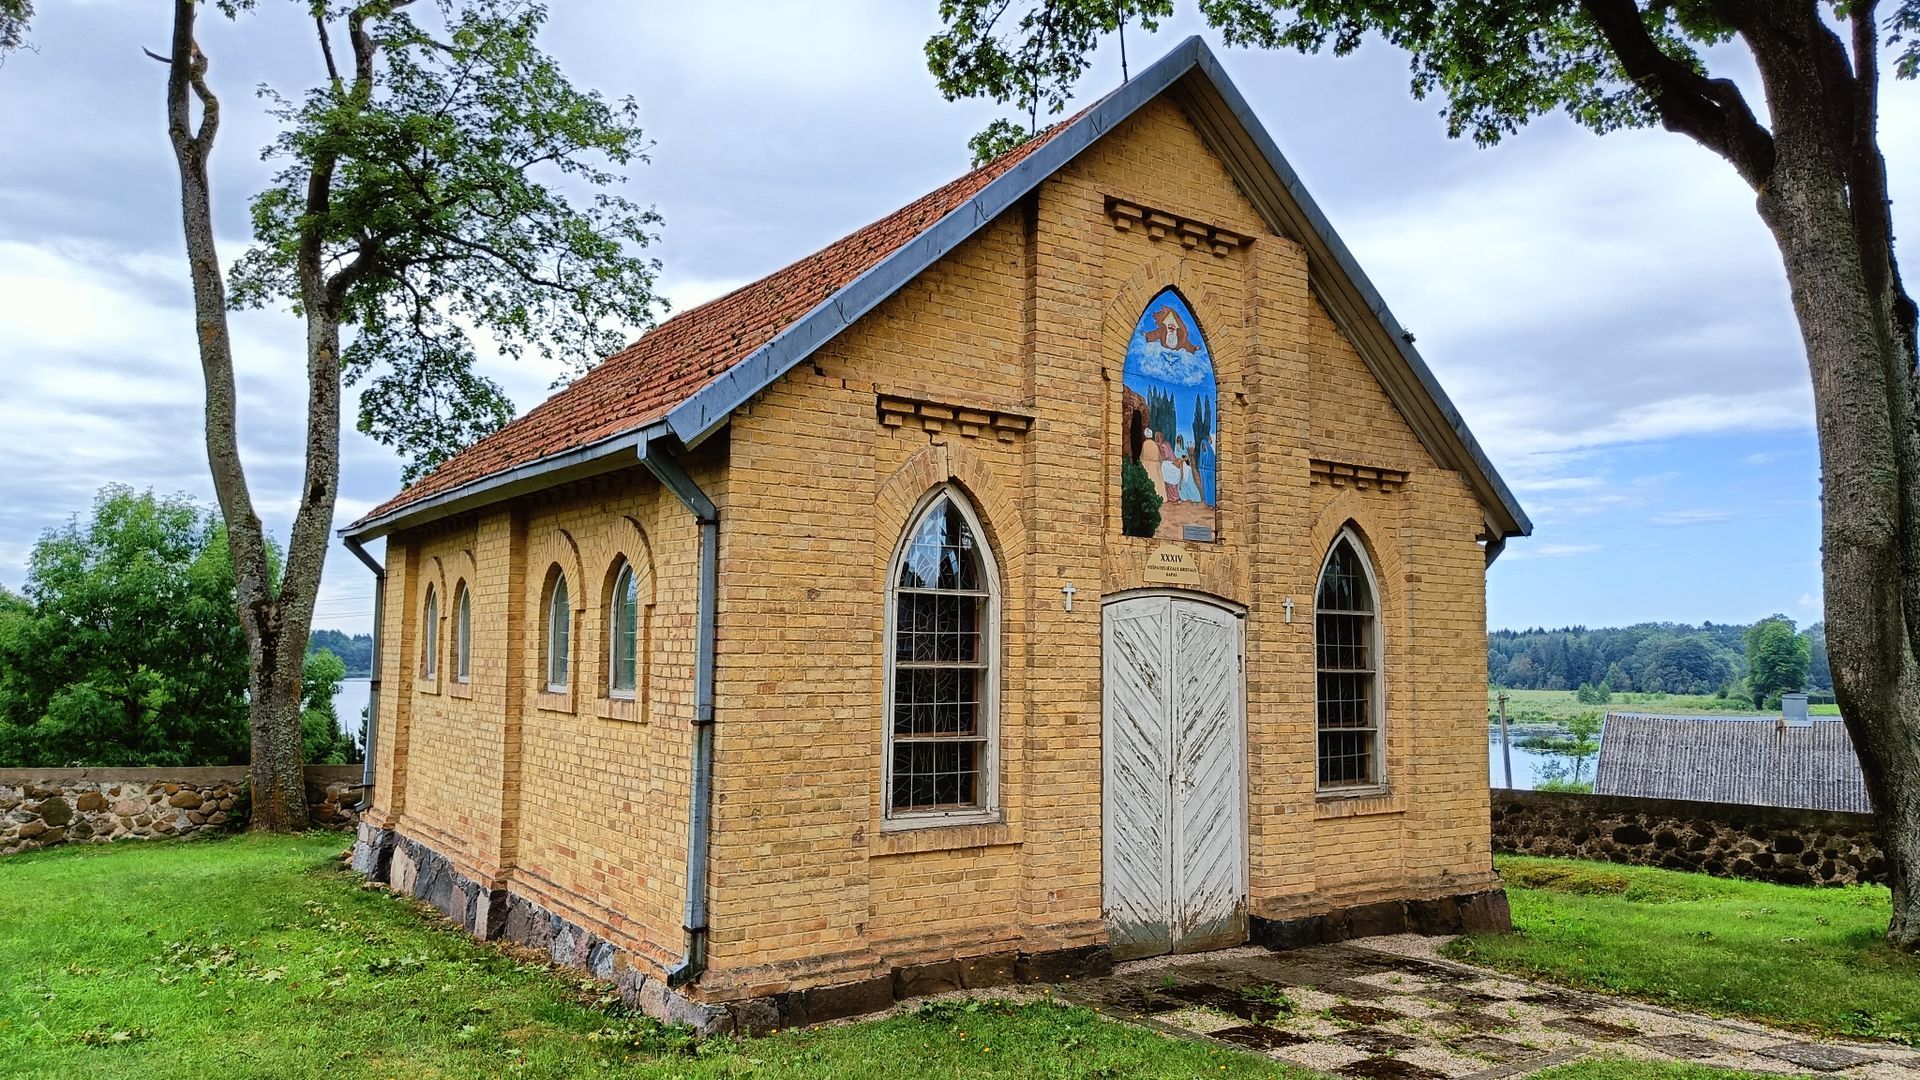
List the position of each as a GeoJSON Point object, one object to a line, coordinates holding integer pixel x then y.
{"type": "Point", "coordinates": [419, 205]}
{"type": "Point", "coordinates": [1777, 659]}
{"type": "Point", "coordinates": [125, 649]}
{"type": "Point", "coordinates": [1813, 161]}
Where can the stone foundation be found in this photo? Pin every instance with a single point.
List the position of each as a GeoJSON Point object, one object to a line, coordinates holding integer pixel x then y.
{"type": "Point", "coordinates": [1466, 913]}
{"type": "Point", "coordinates": [44, 807]}
{"type": "Point", "coordinates": [411, 868]}
{"type": "Point", "coordinates": [1763, 843]}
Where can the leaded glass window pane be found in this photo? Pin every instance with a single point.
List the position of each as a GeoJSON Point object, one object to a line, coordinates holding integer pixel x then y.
{"type": "Point", "coordinates": [463, 634]}
{"type": "Point", "coordinates": [942, 619]}
{"type": "Point", "coordinates": [623, 676]}
{"type": "Point", "coordinates": [559, 635]}
{"type": "Point", "coordinates": [1347, 673]}
{"type": "Point", "coordinates": [430, 635]}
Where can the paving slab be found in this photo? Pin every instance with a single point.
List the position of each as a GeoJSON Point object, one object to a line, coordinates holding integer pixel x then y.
{"type": "Point", "coordinates": [1394, 1009]}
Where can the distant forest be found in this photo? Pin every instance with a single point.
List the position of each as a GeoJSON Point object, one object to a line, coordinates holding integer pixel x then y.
{"type": "Point", "coordinates": [1673, 658]}
{"type": "Point", "coordinates": [356, 652]}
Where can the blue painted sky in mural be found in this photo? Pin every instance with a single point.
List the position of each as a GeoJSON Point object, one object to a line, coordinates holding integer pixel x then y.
{"type": "Point", "coordinates": [1168, 358]}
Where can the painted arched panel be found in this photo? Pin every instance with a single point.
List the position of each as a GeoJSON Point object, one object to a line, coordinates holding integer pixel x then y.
{"type": "Point", "coordinates": [1170, 404]}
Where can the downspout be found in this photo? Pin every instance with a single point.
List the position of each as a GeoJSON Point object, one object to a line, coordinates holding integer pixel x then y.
{"type": "Point", "coordinates": [373, 674]}
{"type": "Point", "coordinates": [659, 460]}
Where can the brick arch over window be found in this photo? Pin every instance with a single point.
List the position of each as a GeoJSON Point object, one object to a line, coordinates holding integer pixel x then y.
{"type": "Point", "coordinates": [623, 543]}
{"type": "Point", "coordinates": [1224, 336]}
{"type": "Point", "coordinates": [997, 507]}
{"type": "Point", "coordinates": [430, 608]}
{"type": "Point", "coordinates": [556, 554]}
{"type": "Point", "coordinates": [460, 578]}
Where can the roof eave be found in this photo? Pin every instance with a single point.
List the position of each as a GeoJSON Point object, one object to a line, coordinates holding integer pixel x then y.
{"type": "Point", "coordinates": [606, 455]}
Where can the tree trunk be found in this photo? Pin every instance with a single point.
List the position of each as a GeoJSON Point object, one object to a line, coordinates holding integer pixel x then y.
{"type": "Point", "coordinates": [275, 620]}
{"type": "Point", "coordinates": [1862, 365]}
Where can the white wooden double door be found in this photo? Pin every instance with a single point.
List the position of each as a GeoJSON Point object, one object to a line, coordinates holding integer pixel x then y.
{"type": "Point", "coordinates": [1173, 835]}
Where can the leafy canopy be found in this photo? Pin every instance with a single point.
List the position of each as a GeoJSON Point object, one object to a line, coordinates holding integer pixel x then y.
{"type": "Point", "coordinates": [1496, 63]}
{"type": "Point", "coordinates": [126, 649]}
{"type": "Point", "coordinates": [1778, 660]}
{"type": "Point", "coordinates": [453, 143]}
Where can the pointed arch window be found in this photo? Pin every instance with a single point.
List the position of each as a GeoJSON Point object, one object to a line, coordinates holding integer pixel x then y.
{"type": "Point", "coordinates": [623, 633]}
{"type": "Point", "coordinates": [1346, 633]}
{"type": "Point", "coordinates": [559, 637]}
{"type": "Point", "coordinates": [462, 633]}
{"type": "Point", "coordinates": [942, 673]}
{"type": "Point", "coordinates": [430, 635]}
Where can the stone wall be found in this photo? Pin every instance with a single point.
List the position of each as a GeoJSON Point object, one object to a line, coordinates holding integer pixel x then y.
{"type": "Point", "coordinates": [43, 807]}
{"type": "Point", "coordinates": [1763, 843]}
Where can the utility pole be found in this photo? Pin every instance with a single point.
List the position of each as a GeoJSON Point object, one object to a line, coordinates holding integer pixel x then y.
{"type": "Point", "coordinates": [1506, 749]}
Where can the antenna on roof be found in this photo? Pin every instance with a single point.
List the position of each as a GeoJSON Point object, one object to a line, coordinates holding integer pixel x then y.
{"type": "Point", "coordinates": [1120, 14]}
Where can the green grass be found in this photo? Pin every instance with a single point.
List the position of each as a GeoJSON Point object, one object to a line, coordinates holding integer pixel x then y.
{"type": "Point", "coordinates": [1552, 708]}
{"type": "Point", "coordinates": [260, 957]}
{"type": "Point", "coordinates": [1807, 958]}
{"type": "Point", "coordinates": [1823, 710]}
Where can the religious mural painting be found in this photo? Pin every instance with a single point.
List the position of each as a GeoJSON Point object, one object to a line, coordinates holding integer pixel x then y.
{"type": "Point", "coordinates": [1169, 409]}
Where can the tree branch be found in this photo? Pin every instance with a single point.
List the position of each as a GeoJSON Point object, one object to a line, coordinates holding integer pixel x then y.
{"type": "Point", "coordinates": [1712, 112]}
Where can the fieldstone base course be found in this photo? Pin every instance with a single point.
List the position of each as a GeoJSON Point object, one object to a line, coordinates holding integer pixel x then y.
{"type": "Point", "coordinates": [411, 868]}
{"type": "Point", "coordinates": [45, 807]}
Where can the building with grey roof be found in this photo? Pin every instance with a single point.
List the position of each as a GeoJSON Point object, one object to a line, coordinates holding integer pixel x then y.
{"type": "Point", "coordinates": [1754, 761]}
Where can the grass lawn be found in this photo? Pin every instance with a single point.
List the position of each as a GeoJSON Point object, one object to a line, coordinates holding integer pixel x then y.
{"type": "Point", "coordinates": [1808, 958]}
{"type": "Point", "coordinates": [1551, 708]}
{"type": "Point", "coordinates": [259, 957]}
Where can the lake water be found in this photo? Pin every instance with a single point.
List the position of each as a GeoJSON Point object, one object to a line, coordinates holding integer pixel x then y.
{"type": "Point", "coordinates": [349, 702]}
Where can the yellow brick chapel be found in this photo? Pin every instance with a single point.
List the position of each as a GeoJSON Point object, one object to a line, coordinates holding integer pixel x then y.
{"type": "Point", "coordinates": [1075, 565]}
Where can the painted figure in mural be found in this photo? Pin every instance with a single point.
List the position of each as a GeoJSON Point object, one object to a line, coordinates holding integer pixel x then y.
{"type": "Point", "coordinates": [1168, 486]}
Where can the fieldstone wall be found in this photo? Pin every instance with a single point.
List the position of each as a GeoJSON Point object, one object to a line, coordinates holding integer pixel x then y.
{"type": "Point", "coordinates": [43, 807]}
{"type": "Point", "coordinates": [1764, 843]}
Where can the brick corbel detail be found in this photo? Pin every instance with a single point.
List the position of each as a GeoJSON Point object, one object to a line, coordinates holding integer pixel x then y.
{"type": "Point", "coordinates": [970, 421]}
{"type": "Point", "coordinates": [1361, 477]}
{"type": "Point", "coordinates": [1163, 224]}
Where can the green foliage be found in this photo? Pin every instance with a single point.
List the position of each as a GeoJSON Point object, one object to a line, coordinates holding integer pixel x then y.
{"type": "Point", "coordinates": [1565, 785]}
{"type": "Point", "coordinates": [14, 17]}
{"type": "Point", "coordinates": [1497, 63]}
{"type": "Point", "coordinates": [322, 742]}
{"type": "Point", "coordinates": [257, 956]}
{"type": "Point", "coordinates": [446, 220]}
{"type": "Point", "coordinates": [1140, 500]}
{"type": "Point", "coordinates": [355, 651]}
{"type": "Point", "coordinates": [126, 649]}
{"type": "Point", "coordinates": [1808, 958]}
{"type": "Point", "coordinates": [1589, 694]}
{"type": "Point", "coordinates": [997, 138]}
{"type": "Point", "coordinates": [1672, 658]}
{"type": "Point", "coordinates": [1778, 659]}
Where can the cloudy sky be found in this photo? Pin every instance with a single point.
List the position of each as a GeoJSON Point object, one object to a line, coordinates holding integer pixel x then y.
{"type": "Point", "coordinates": [1608, 313]}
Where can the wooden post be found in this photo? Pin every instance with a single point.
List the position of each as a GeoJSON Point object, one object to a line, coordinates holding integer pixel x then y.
{"type": "Point", "coordinates": [1506, 749]}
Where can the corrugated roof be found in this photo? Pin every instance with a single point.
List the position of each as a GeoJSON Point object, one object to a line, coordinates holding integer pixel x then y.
{"type": "Point", "coordinates": [1731, 760]}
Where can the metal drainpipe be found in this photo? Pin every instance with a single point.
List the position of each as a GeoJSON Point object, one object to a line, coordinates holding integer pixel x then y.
{"type": "Point", "coordinates": [373, 674]}
{"type": "Point", "coordinates": [660, 461]}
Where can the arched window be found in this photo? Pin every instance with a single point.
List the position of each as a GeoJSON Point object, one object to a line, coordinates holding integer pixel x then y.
{"type": "Point", "coordinates": [559, 641]}
{"type": "Point", "coordinates": [1346, 640]}
{"type": "Point", "coordinates": [430, 635]}
{"type": "Point", "coordinates": [623, 633]}
{"type": "Point", "coordinates": [462, 633]}
{"type": "Point", "coordinates": [942, 679]}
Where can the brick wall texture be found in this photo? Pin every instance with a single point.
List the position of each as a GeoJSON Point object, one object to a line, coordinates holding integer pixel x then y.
{"type": "Point", "coordinates": [580, 802]}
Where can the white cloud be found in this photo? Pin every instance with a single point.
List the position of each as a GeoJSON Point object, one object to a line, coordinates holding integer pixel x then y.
{"type": "Point", "coordinates": [1699, 516]}
{"type": "Point", "coordinates": [1532, 550]}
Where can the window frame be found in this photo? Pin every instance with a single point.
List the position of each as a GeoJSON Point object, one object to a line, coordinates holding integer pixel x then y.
{"type": "Point", "coordinates": [429, 660]}
{"type": "Point", "coordinates": [461, 645]}
{"type": "Point", "coordinates": [1376, 647]}
{"type": "Point", "coordinates": [988, 811]}
{"type": "Point", "coordinates": [559, 598]}
{"type": "Point", "coordinates": [623, 568]}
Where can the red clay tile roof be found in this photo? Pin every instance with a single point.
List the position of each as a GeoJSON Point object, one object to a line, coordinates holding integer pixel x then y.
{"type": "Point", "coordinates": [667, 365]}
